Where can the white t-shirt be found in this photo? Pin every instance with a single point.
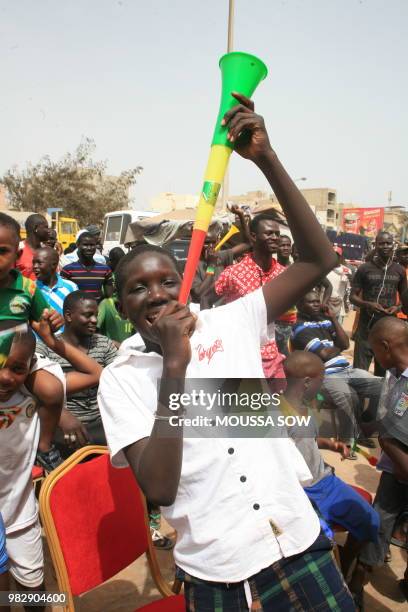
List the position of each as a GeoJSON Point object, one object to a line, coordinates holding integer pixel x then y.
{"type": "Point", "coordinates": [69, 258]}
{"type": "Point", "coordinates": [239, 506]}
{"type": "Point", "coordinates": [19, 437]}
{"type": "Point", "coordinates": [339, 278]}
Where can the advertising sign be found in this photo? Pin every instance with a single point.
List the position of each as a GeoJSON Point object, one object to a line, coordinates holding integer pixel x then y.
{"type": "Point", "coordinates": [364, 221]}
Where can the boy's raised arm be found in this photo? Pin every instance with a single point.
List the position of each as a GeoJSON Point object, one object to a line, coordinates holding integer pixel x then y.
{"type": "Point", "coordinates": [316, 256]}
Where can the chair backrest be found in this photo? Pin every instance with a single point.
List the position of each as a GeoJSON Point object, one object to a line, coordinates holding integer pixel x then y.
{"type": "Point", "coordinates": [94, 519]}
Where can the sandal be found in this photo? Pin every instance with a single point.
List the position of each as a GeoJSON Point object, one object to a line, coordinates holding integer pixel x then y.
{"type": "Point", "coordinates": [353, 455]}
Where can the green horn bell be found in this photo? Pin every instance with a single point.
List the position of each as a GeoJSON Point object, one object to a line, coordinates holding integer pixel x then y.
{"type": "Point", "coordinates": [242, 73]}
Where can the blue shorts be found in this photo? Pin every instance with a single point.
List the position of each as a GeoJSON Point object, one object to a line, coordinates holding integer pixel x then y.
{"type": "Point", "coordinates": [3, 552]}
{"type": "Point", "coordinates": [340, 504]}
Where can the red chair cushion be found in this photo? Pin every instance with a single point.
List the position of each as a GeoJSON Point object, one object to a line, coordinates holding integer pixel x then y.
{"type": "Point", "coordinates": [99, 517]}
{"type": "Point", "coordinates": [365, 494]}
{"type": "Point", "coordinates": [37, 472]}
{"type": "Point", "coordinates": [175, 603]}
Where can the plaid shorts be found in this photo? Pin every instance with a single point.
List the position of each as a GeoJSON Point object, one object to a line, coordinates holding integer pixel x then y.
{"type": "Point", "coordinates": [308, 581]}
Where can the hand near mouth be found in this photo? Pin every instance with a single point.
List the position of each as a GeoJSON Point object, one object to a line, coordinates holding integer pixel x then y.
{"type": "Point", "coordinates": [172, 330]}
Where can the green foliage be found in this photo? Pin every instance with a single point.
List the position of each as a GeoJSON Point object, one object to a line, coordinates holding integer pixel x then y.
{"type": "Point", "coordinates": [75, 183]}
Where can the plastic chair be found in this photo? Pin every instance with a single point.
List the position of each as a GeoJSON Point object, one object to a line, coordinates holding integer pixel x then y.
{"type": "Point", "coordinates": [95, 521]}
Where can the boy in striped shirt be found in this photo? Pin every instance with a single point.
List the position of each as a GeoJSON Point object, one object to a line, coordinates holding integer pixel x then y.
{"type": "Point", "coordinates": [317, 330]}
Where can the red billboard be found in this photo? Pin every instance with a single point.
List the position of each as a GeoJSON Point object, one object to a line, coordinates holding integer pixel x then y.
{"type": "Point", "coordinates": [365, 221]}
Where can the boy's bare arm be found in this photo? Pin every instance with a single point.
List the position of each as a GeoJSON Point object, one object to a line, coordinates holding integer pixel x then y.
{"type": "Point", "coordinates": [316, 256]}
{"type": "Point", "coordinates": [87, 371]}
{"type": "Point", "coordinates": [335, 446]}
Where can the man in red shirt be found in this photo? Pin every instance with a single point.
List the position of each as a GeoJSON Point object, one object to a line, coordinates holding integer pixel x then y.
{"type": "Point", "coordinates": [37, 232]}
{"type": "Point", "coordinates": [253, 271]}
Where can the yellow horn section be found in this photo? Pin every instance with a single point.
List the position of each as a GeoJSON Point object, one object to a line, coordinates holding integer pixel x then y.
{"type": "Point", "coordinates": [233, 230]}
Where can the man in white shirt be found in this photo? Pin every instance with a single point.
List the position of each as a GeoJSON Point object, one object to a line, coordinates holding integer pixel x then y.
{"type": "Point", "coordinates": [339, 278]}
{"type": "Point", "coordinates": [68, 258]}
{"type": "Point", "coordinates": [246, 532]}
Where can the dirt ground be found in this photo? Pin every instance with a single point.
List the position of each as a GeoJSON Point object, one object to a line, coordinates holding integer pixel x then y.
{"type": "Point", "coordinates": [133, 587]}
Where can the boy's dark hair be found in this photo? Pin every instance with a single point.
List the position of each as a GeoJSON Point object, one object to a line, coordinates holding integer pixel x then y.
{"type": "Point", "coordinates": [12, 224]}
{"type": "Point", "coordinates": [85, 235]}
{"type": "Point", "coordinates": [121, 270]}
{"type": "Point", "coordinates": [287, 237]}
{"type": "Point", "coordinates": [26, 337]}
{"type": "Point", "coordinates": [301, 301]}
{"type": "Point", "coordinates": [254, 223]}
{"type": "Point", "coordinates": [383, 232]}
{"type": "Point", "coordinates": [32, 221]}
{"type": "Point", "coordinates": [115, 255]}
{"type": "Point", "coordinates": [74, 298]}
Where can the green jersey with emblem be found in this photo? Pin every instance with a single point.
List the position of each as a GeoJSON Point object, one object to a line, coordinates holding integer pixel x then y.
{"type": "Point", "coordinates": [21, 301]}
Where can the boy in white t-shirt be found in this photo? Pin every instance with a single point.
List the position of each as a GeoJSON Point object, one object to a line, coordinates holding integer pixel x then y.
{"type": "Point", "coordinates": [19, 437]}
{"type": "Point", "coordinates": [247, 536]}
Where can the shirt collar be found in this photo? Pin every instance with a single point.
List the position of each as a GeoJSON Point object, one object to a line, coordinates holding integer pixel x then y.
{"type": "Point", "coordinates": [250, 259]}
{"type": "Point", "coordinates": [58, 284]}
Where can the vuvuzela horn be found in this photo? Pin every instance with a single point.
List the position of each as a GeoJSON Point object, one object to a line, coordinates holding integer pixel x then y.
{"type": "Point", "coordinates": [241, 73]}
{"type": "Point", "coordinates": [232, 230]}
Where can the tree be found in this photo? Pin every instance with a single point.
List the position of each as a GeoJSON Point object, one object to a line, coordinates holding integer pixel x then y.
{"type": "Point", "coordinates": [75, 183]}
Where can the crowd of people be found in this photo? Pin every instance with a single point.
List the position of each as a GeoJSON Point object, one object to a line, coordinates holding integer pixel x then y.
{"type": "Point", "coordinates": [94, 350]}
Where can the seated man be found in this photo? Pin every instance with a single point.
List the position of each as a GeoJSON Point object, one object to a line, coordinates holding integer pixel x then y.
{"type": "Point", "coordinates": [335, 501]}
{"type": "Point", "coordinates": [81, 421]}
{"type": "Point", "coordinates": [318, 330]}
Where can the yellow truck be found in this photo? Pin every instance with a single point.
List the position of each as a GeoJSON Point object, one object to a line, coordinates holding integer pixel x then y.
{"type": "Point", "coordinates": [66, 227]}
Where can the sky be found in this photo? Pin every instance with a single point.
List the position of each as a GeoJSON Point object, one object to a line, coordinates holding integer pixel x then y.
{"type": "Point", "coordinates": [141, 78]}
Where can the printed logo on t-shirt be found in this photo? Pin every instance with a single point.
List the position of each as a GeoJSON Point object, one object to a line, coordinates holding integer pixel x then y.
{"type": "Point", "coordinates": [19, 304]}
{"type": "Point", "coordinates": [402, 405]}
{"type": "Point", "coordinates": [7, 416]}
{"type": "Point", "coordinates": [209, 352]}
